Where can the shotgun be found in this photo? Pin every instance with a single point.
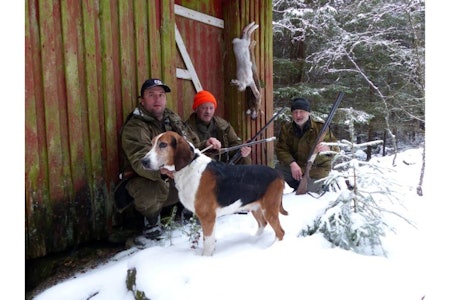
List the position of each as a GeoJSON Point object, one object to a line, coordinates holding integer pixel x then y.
{"type": "Point", "coordinates": [228, 149]}
{"type": "Point", "coordinates": [238, 154]}
{"type": "Point", "coordinates": [303, 187]}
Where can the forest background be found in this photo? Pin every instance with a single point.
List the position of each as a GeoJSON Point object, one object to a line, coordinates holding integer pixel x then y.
{"type": "Point", "coordinates": [373, 51]}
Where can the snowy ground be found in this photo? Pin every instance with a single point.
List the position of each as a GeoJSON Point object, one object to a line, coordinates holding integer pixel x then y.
{"type": "Point", "coordinates": [246, 266]}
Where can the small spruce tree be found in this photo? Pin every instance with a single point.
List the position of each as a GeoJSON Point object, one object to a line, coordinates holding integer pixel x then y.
{"type": "Point", "coordinates": [354, 221]}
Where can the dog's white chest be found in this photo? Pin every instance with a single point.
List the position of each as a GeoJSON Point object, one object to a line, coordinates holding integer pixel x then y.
{"type": "Point", "coordinates": [187, 181]}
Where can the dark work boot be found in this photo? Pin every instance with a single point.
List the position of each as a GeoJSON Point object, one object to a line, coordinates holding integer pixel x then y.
{"type": "Point", "coordinates": [153, 228]}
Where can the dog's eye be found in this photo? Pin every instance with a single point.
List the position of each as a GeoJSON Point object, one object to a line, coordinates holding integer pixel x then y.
{"type": "Point", "coordinates": [162, 145]}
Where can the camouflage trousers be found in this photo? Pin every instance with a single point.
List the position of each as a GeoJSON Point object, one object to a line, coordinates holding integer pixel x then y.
{"type": "Point", "coordinates": [151, 196]}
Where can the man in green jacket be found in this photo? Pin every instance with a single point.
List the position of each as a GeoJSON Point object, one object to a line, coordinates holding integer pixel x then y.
{"type": "Point", "coordinates": [294, 143]}
{"type": "Point", "coordinates": [213, 131]}
{"type": "Point", "coordinates": [151, 190]}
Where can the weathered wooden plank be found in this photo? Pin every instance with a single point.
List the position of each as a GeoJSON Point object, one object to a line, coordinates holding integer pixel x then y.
{"type": "Point", "coordinates": [50, 66]}
{"type": "Point", "coordinates": [255, 125]}
{"type": "Point", "coordinates": [267, 65]}
{"type": "Point", "coordinates": [70, 13]}
{"type": "Point", "coordinates": [110, 79]}
{"type": "Point", "coordinates": [93, 146]}
{"type": "Point", "coordinates": [154, 24]}
{"type": "Point", "coordinates": [132, 59]}
{"type": "Point", "coordinates": [56, 126]}
{"type": "Point", "coordinates": [36, 170]}
{"type": "Point", "coordinates": [92, 63]}
{"type": "Point", "coordinates": [231, 20]}
{"type": "Point", "coordinates": [80, 196]}
{"type": "Point", "coordinates": [168, 48]}
{"type": "Point", "coordinates": [142, 42]}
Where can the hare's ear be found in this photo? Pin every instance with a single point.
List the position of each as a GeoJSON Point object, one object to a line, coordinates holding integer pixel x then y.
{"type": "Point", "coordinates": [183, 152]}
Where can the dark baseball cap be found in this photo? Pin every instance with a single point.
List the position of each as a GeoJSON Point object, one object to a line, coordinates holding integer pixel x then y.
{"type": "Point", "coordinates": [154, 82]}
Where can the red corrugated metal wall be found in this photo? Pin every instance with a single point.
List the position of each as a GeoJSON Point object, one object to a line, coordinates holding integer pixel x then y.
{"type": "Point", "coordinates": [84, 64]}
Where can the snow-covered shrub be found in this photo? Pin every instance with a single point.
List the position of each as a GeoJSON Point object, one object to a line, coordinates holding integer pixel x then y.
{"type": "Point", "coordinates": [355, 220]}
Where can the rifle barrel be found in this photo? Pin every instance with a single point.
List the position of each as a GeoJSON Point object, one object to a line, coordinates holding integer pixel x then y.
{"type": "Point", "coordinates": [237, 156]}
{"type": "Point", "coordinates": [228, 149]}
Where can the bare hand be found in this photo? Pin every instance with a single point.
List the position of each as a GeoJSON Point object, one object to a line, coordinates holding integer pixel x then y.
{"type": "Point", "coordinates": [321, 147]}
{"type": "Point", "coordinates": [215, 143]}
{"type": "Point", "coordinates": [164, 171]}
{"type": "Point", "coordinates": [245, 151]}
{"type": "Point", "coordinates": [296, 171]}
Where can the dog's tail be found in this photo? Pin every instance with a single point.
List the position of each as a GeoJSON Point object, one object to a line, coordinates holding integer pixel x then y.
{"type": "Point", "coordinates": [282, 210]}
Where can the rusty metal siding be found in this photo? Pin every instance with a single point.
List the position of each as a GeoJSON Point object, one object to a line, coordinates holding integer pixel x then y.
{"type": "Point", "coordinates": [84, 64]}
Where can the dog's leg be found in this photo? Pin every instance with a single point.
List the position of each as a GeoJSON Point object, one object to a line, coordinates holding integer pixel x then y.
{"type": "Point", "coordinates": [209, 239]}
{"type": "Point", "coordinates": [258, 214]}
{"type": "Point", "coordinates": [209, 245]}
{"type": "Point", "coordinates": [270, 205]}
{"type": "Point", "coordinates": [274, 221]}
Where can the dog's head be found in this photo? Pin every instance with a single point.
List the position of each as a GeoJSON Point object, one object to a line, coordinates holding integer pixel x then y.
{"type": "Point", "coordinates": [170, 151]}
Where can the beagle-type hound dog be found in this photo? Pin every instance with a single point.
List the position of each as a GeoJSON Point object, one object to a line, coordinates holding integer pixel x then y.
{"type": "Point", "coordinates": [211, 188]}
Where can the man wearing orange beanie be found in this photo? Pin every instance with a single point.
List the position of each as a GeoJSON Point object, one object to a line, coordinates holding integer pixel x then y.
{"type": "Point", "coordinates": [214, 131]}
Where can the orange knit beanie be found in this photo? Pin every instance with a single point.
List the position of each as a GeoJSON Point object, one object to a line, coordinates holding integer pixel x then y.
{"type": "Point", "coordinates": [203, 97]}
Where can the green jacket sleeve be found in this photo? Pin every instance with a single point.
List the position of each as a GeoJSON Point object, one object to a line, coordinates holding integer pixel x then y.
{"type": "Point", "coordinates": [227, 136]}
{"type": "Point", "coordinates": [282, 148]}
{"type": "Point", "coordinates": [136, 142]}
{"type": "Point", "coordinates": [183, 129]}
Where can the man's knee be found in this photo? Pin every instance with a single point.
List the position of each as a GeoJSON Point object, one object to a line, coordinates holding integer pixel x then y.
{"type": "Point", "coordinates": [149, 195]}
{"type": "Point", "coordinates": [286, 172]}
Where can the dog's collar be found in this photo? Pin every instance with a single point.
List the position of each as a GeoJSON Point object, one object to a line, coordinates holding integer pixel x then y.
{"type": "Point", "coordinates": [196, 155]}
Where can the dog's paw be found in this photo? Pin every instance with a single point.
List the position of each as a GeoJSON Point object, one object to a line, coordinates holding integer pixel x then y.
{"type": "Point", "coordinates": [209, 245]}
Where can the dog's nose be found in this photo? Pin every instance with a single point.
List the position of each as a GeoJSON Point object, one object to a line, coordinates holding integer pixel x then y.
{"type": "Point", "coordinates": [145, 163]}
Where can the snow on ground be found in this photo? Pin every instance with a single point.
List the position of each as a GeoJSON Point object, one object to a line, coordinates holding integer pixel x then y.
{"type": "Point", "coordinates": [245, 266]}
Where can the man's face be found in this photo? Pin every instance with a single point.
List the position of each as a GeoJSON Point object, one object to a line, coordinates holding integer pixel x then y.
{"type": "Point", "coordinates": [154, 101]}
{"type": "Point", "coordinates": [205, 112]}
{"type": "Point", "coordinates": [300, 116]}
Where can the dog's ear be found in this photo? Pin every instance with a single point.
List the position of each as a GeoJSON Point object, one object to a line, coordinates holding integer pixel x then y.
{"type": "Point", "coordinates": [183, 152]}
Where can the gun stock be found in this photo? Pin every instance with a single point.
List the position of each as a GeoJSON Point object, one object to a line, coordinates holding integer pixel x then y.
{"type": "Point", "coordinates": [303, 186]}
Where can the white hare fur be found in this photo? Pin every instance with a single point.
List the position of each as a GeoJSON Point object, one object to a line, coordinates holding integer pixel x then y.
{"type": "Point", "coordinates": [244, 65]}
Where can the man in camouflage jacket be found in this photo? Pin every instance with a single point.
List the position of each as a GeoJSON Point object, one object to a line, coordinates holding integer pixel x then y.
{"type": "Point", "coordinates": [214, 131]}
{"type": "Point", "coordinates": [293, 146]}
{"type": "Point", "coordinates": [150, 189]}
